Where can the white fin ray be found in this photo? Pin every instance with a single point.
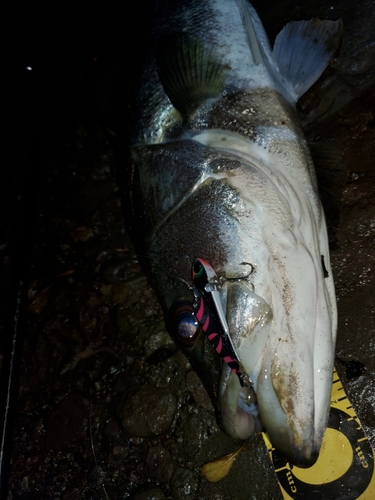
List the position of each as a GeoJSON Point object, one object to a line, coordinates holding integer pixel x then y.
{"type": "Point", "coordinates": [262, 40]}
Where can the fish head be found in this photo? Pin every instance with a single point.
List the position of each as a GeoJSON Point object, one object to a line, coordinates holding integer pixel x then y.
{"type": "Point", "coordinates": [281, 321]}
{"type": "Point", "coordinates": [283, 325]}
{"type": "Point", "coordinates": [280, 309]}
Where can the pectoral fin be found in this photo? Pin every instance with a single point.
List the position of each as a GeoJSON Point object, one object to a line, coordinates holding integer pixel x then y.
{"type": "Point", "coordinates": [190, 71]}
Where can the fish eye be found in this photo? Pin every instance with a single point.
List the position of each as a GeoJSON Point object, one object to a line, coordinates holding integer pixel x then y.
{"type": "Point", "coordinates": [185, 327]}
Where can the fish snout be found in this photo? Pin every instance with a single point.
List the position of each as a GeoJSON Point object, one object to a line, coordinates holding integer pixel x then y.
{"type": "Point", "coordinates": [294, 411]}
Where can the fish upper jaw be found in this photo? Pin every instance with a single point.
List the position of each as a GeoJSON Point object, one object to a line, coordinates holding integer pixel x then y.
{"type": "Point", "coordinates": [294, 408]}
{"type": "Point", "coordinates": [294, 380]}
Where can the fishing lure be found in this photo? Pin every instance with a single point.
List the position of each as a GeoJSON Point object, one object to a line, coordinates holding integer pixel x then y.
{"type": "Point", "coordinates": [209, 313]}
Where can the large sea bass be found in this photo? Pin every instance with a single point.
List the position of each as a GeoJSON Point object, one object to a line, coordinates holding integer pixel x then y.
{"type": "Point", "coordinates": [224, 210]}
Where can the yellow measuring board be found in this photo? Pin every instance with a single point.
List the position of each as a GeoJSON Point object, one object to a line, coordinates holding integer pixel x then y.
{"type": "Point", "coordinates": [345, 466]}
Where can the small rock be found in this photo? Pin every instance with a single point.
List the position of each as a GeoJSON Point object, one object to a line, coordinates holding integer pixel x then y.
{"type": "Point", "coordinates": [147, 411]}
{"type": "Point", "coordinates": [158, 339]}
{"type": "Point", "coordinates": [196, 389]}
{"type": "Point", "coordinates": [106, 290]}
{"type": "Point", "coordinates": [95, 476]}
{"type": "Point", "coordinates": [40, 300]}
{"type": "Point", "coordinates": [66, 426]}
{"type": "Point", "coordinates": [113, 431]}
{"type": "Point", "coordinates": [81, 233]}
{"type": "Point", "coordinates": [162, 354]}
{"type": "Point", "coordinates": [183, 484]}
{"type": "Point", "coordinates": [159, 462]}
{"type": "Point", "coordinates": [116, 269]}
{"type": "Point", "coordinates": [118, 454]}
{"type": "Point", "coordinates": [25, 483]}
{"type": "Point", "coordinates": [195, 428]}
{"type": "Point", "coordinates": [148, 493]}
{"type": "Point", "coordinates": [127, 294]}
{"type": "Point", "coordinates": [124, 490]}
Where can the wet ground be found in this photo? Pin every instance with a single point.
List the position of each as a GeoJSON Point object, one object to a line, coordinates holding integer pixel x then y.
{"type": "Point", "coordinates": [108, 407]}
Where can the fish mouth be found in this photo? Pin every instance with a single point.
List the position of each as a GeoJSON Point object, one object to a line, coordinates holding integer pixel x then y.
{"type": "Point", "coordinates": [299, 444]}
{"type": "Point", "coordinates": [239, 411]}
{"type": "Point", "coordinates": [290, 392]}
{"type": "Point", "coordinates": [239, 414]}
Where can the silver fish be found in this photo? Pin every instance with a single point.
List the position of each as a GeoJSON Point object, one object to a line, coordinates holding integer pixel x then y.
{"type": "Point", "coordinates": [221, 171]}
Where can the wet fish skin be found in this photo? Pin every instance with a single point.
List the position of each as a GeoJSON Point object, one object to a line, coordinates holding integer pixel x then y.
{"type": "Point", "coordinates": [221, 170]}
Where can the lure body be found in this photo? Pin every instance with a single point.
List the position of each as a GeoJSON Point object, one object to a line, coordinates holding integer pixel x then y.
{"type": "Point", "coordinates": [209, 312]}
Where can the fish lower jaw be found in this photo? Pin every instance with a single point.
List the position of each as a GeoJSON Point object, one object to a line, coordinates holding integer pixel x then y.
{"type": "Point", "coordinates": [241, 425]}
{"type": "Point", "coordinates": [239, 414]}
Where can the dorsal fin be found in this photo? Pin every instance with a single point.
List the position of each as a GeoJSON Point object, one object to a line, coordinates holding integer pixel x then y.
{"type": "Point", "coordinates": [190, 71]}
{"type": "Point", "coordinates": [302, 51]}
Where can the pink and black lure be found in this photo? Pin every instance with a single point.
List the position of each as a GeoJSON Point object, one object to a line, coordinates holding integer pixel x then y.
{"type": "Point", "coordinates": [209, 313]}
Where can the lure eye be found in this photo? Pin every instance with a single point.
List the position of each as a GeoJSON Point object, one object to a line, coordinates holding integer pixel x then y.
{"type": "Point", "coordinates": [198, 269]}
{"type": "Point", "coordinates": [185, 326]}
